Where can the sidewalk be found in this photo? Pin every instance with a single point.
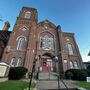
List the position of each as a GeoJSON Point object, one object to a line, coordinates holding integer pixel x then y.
{"type": "Point", "coordinates": [53, 84]}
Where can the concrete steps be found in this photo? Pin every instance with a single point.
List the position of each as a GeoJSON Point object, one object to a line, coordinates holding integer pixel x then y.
{"type": "Point", "coordinates": [53, 85]}
{"type": "Point", "coordinates": [46, 76]}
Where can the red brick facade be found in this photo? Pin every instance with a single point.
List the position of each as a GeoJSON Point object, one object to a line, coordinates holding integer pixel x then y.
{"type": "Point", "coordinates": [44, 40]}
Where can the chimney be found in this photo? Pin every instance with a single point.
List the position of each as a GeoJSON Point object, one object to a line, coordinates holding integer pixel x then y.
{"type": "Point", "coordinates": [6, 26]}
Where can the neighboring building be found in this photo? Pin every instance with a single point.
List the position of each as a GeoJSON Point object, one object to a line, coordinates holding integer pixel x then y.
{"type": "Point", "coordinates": [86, 64]}
{"type": "Point", "coordinates": [30, 39]}
{"type": "Point", "coordinates": [4, 37]}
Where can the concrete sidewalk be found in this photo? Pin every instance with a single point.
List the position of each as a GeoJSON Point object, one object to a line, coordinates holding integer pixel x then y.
{"type": "Point", "coordinates": [53, 84]}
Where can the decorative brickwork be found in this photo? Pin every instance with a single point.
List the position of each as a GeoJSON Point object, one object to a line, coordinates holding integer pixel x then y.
{"type": "Point", "coordinates": [44, 40]}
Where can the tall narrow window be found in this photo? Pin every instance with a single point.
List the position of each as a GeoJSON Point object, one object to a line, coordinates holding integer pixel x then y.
{"type": "Point", "coordinates": [27, 15]}
{"type": "Point", "coordinates": [21, 43]}
{"type": "Point", "coordinates": [75, 65]}
{"type": "Point", "coordinates": [70, 49]}
{"type": "Point", "coordinates": [13, 62]}
{"type": "Point", "coordinates": [20, 62]}
{"type": "Point", "coordinates": [71, 64]}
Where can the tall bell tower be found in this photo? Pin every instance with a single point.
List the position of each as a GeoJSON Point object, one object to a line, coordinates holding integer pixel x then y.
{"type": "Point", "coordinates": [21, 42]}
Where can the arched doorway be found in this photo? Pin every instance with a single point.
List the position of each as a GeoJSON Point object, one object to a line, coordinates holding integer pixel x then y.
{"type": "Point", "coordinates": [46, 64]}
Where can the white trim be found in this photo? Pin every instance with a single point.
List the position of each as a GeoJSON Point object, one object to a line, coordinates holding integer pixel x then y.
{"type": "Point", "coordinates": [50, 46]}
{"type": "Point", "coordinates": [23, 27]}
{"type": "Point", "coordinates": [45, 32]}
{"type": "Point", "coordinates": [71, 64]}
{"type": "Point", "coordinates": [27, 13]}
{"type": "Point", "coordinates": [19, 43]}
{"type": "Point", "coordinates": [19, 61]}
{"type": "Point", "coordinates": [70, 48]}
{"type": "Point", "coordinates": [20, 37]}
{"type": "Point", "coordinates": [13, 58]}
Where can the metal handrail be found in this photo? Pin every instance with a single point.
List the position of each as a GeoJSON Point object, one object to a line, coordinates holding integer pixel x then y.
{"type": "Point", "coordinates": [59, 75]}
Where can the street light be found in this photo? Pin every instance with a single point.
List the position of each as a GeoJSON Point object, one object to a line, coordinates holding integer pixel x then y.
{"type": "Point", "coordinates": [33, 69]}
{"type": "Point", "coordinates": [56, 60]}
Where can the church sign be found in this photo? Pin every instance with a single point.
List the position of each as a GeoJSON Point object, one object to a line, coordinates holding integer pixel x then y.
{"type": "Point", "coordinates": [4, 68]}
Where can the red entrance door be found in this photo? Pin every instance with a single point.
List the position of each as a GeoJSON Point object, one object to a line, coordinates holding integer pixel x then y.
{"type": "Point", "coordinates": [46, 67]}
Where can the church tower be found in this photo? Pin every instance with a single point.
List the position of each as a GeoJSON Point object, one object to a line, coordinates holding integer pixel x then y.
{"type": "Point", "coordinates": [19, 45]}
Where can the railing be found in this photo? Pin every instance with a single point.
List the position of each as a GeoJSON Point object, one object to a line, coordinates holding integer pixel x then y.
{"type": "Point", "coordinates": [60, 78]}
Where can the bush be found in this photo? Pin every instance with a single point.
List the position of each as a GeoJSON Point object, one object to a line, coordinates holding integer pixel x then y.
{"type": "Point", "coordinates": [88, 72]}
{"type": "Point", "coordinates": [16, 73]}
{"type": "Point", "coordinates": [88, 67]}
{"type": "Point", "coordinates": [76, 74]}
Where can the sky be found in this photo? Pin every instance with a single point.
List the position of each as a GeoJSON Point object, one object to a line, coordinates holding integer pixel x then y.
{"type": "Point", "coordinates": [72, 15]}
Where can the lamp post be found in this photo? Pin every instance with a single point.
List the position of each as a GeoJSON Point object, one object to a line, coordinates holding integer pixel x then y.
{"type": "Point", "coordinates": [56, 60]}
{"type": "Point", "coordinates": [33, 69]}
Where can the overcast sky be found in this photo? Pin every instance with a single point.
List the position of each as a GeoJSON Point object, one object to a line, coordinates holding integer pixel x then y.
{"type": "Point", "coordinates": [72, 15]}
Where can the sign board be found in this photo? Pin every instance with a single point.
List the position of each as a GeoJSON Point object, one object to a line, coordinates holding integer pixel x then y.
{"type": "Point", "coordinates": [88, 79]}
{"type": "Point", "coordinates": [2, 71]}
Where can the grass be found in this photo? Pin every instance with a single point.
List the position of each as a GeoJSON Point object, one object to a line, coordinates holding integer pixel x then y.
{"type": "Point", "coordinates": [83, 84]}
{"type": "Point", "coordinates": [14, 85]}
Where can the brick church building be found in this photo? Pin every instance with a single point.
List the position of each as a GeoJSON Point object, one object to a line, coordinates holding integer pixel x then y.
{"type": "Point", "coordinates": [54, 50]}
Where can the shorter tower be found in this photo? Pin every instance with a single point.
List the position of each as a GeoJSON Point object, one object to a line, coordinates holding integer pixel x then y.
{"type": "Point", "coordinates": [6, 26]}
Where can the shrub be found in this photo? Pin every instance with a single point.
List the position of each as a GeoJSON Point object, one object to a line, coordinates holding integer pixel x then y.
{"type": "Point", "coordinates": [16, 73]}
{"type": "Point", "coordinates": [88, 67]}
{"type": "Point", "coordinates": [77, 74]}
{"type": "Point", "coordinates": [88, 72]}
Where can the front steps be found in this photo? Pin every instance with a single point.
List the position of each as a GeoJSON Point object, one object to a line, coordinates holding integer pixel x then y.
{"type": "Point", "coordinates": [47, 76]}
{"type": "Point", "coordinates": [49, 81]}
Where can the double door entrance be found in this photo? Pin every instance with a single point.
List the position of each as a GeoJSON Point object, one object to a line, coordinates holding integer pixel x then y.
{"type": "Point", "coordinates": [46, 65]}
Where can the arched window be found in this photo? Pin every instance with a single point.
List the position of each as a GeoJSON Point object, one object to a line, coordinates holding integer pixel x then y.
{"type": "Point", "coordinates": [70, 49]}
{"type": "Point", "coordinates": [71, 64]}
{"type": "Point", "coordinates": [20, 62]}
{"type": "Point", "coordinates": [46, 42]}
{"type": "Point", "coordinates": [75, 65]}
{"type": "Point", "coordinates": [27, 15]}
{"type": "Point", "coordinates": [13, 62]}
{"type": "Point", "coordinates": [21, 43]}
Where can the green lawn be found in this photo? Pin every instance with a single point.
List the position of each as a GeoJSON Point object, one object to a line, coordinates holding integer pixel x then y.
{"type": "Point", "coordinates": [14, 85]}
{"type": "Point", "coordinates": [83, 84]}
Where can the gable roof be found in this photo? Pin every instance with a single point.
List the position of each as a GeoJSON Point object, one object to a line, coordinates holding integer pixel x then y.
{"type": "Point", "coordinates": [47, 22]}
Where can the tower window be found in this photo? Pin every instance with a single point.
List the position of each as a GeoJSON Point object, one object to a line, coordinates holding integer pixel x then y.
{"type": "Point", "coordinates": [21, 43]}
{"type": "Point", "coordinates": [70, 49]}
{"type": "Point", "coordinates": [27, 15]}
{"type": "Point", "coordinates": [13, 62]}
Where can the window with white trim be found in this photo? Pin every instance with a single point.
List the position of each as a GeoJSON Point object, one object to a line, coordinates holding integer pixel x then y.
{"type": "Point", "coordinates": [21, 43]}
{"type": "Point", "coordinates": [13, 62]}
{"type": "Point", "coordinates": [75, 65]}
{"type": "Point", "coordinates": [20, 62]}
{"type": "Point", "coordinates": [27, 15]}
{"type": "Point", "coordinates": [71, 64]}
{"type": "Point", "coordinates": [70, 49]}
{"type": "Point", "coordinates": [46, 42]}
